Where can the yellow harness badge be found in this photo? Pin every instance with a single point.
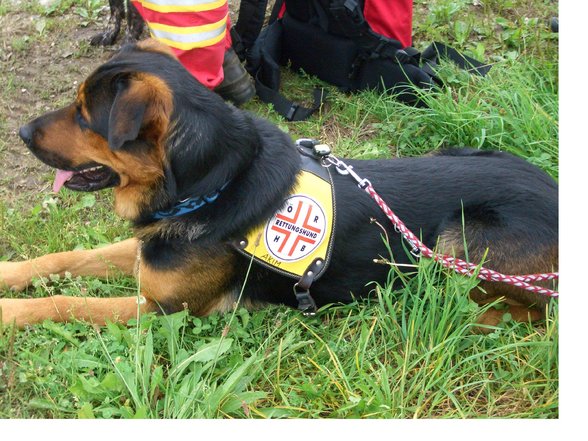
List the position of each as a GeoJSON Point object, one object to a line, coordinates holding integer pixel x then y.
{"type": "Point", "coordinates": [301, 231]}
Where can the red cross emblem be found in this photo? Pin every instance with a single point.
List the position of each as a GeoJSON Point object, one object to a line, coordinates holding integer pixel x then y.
{"type": "Point", "coordinates": [296, 230]}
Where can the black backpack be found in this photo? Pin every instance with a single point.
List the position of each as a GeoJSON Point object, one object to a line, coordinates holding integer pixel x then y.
{"type": "Point", "coordinates": [332, 40]}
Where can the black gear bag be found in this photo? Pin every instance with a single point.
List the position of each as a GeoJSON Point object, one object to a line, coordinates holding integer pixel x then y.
{"type": "Point", "coordinates": [331, 40]}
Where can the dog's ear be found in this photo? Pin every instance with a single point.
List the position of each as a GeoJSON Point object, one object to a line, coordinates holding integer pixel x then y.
{"type": "Point", "coordinates": [126, 114]}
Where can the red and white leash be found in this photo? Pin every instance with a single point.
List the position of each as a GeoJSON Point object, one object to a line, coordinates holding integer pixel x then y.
{"type": "Point", "coordinates": [420, 249]}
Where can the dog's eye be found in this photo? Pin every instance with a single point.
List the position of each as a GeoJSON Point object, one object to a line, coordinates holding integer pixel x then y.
{"type": "Point", "coordinates": [81, 120]}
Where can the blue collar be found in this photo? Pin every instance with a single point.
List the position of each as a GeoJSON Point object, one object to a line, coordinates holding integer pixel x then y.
{"type": "Point", "coordinates": [189, 205]}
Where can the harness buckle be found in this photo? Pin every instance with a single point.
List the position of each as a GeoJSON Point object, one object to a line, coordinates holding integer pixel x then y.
{"type": "Point", "coordinates": [318, 149]}
{"type": "Point", "coordinates": [321, 150]}
{"type": "Point", "coordinates": [416, 251]}
{"type": "Point", "coordinates": [306, 142]}
{"type": "Point", "coordinates": [344, 169]}
{"type": "Point", "coordinates": [306, 303]}
{"type": "Point", "coordinates": [364, 183]}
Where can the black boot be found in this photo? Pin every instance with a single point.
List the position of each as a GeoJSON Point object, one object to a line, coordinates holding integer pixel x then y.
{"type": "Point", "coordinates": [237, 85]}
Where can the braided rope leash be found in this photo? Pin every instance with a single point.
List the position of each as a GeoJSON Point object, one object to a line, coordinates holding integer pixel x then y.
{"type": "Point", "coordinates": [420, 249]}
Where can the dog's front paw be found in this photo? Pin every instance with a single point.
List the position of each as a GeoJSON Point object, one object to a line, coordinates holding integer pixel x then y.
{"type": "Point", "coordinates": [14, 276]}
{"type": "Point", "coordinates": [104, 39]}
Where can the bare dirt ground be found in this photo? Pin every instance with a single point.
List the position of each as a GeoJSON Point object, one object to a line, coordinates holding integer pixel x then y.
{"type": "Point", "coordinates": [43, 58]}
{"type": "Point", "coordinates": [40, 73]}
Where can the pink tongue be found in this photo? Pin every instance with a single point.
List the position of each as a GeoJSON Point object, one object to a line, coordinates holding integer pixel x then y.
{"type": "Point", "coordinates": [61, 177]}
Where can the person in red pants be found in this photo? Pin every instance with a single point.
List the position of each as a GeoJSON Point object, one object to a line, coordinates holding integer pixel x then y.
{"type": "Point", "coordinates": [390, 18]}
{"type": "Point", "coordinates": [197, 31]}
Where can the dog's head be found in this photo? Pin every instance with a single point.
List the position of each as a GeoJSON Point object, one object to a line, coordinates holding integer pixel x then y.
{"type": "Point", "coordinates": [142, 124]}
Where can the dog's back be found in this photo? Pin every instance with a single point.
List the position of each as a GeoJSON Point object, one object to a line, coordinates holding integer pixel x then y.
{"type": "Point", "coordinates": [488, 206]}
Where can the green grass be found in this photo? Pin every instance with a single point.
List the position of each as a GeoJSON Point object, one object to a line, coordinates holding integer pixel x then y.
{"type": "Point", "coordinates": [409, 353]}
{"type": "Point", "coordinates": [406, 353]}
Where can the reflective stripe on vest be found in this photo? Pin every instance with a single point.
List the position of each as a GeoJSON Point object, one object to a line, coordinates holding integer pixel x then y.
{"type": "Point", "coordinates": [189, 37]}
{"type": "Point", "coordinates": [182, 5]}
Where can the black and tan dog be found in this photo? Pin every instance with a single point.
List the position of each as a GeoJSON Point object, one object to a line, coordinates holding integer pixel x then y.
{"type": "Point", "coordinates": [143, 125]}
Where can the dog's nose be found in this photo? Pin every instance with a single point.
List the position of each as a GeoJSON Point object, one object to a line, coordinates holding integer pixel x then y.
{"type": "Point", "coordinates": [26, 134]}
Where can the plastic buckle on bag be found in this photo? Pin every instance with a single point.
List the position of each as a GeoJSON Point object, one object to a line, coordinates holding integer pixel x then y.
{"type": "Point", "coordinates": [292, 111]}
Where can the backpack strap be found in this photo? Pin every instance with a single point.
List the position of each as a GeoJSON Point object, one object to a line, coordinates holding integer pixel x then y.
{"type": "Point", "coordinates": [263, 64]}
{"type": "Point", "coordinates": [352, 23]}
{"type": "Point", "coordinates": [349, 16]}
{"type": "Point", "coordinates": [263, 52]}
{"type": "Point", "coordinates": [275, 14]}
{"type": "Point", "coordinates": [249, 24]}
{"type": "Point", "coordinates": [437, 51]}
{"type": "Point", "coordinates": [290, 110]}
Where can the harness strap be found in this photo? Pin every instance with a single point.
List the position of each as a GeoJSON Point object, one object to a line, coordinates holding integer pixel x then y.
{"type": "Point", "coordinates": [290, 110]}
{"type": "Point", "coordinates": [297, 241]}
{"type": "Point", "coordinates": [306, 303]}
